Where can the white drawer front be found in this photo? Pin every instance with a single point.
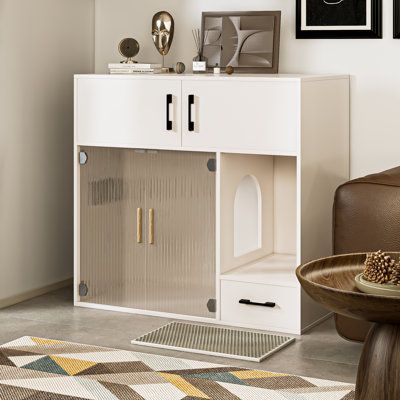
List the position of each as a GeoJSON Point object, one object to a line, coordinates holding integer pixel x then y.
{"type": "Point", "coordinates": [285, 316]}
{"type": "Point", "coordinates": [242, 115]}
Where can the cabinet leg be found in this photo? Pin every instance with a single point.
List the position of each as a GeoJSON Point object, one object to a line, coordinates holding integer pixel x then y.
{"type": "Point", "coordinates": [379, 369]}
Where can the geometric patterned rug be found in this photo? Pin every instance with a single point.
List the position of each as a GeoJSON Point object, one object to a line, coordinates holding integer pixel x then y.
{"type": "Point", "coordinates": [43, 369]}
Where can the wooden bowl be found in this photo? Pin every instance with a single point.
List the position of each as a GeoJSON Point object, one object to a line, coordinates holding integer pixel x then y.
{"type": "Point", "coordinates": [330, 282]}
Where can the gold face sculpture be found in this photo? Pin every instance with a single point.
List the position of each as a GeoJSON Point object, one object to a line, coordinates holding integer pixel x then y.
{"type": "Point", "coordinates": [163, 32]}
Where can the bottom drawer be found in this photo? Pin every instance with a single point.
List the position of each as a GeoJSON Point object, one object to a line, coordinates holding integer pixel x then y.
{"type": "Point", "coordinates": [284, 316]}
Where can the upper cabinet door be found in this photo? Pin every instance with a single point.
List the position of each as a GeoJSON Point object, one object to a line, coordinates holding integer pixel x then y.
{"type": "Point", "coordinates": [128, 112]}
{"type": "Point", "coordinates": [241, 115]}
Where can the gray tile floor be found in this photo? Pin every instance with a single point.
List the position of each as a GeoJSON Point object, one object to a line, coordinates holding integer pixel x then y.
{"type": "Point", "coordinates": [320, 353]}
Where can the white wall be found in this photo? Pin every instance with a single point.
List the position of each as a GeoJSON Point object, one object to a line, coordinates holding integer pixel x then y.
{"type": "Point", "coordinates": [42, 44]}
{"type": "Point", "coordinates": [373, 64]}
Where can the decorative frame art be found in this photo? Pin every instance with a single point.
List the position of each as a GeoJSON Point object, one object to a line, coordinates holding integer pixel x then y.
{"type": "Point", "coordinates": [248, 41]}
{"type": "Point", "coordinates": [396, 19]}
{"type": "Point", "coordinates": [339, 19]}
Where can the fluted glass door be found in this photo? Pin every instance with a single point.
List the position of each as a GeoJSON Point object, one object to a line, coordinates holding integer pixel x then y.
{"type": "Point", "coordinates": [147, 230]}
{"type": "Point", "coordinates": [180, 258]}
{"type": "Point", "coordinates": [112, 254]}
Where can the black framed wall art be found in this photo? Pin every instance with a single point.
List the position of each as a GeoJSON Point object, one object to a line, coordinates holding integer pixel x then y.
{"type": "Point", "coordinates": [396, 19]}
{"type": "Point", "coordinates": [339, 19]}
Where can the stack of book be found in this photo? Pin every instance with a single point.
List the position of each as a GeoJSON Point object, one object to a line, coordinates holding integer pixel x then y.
{"type": "Point", "coordinates": [134, 68]}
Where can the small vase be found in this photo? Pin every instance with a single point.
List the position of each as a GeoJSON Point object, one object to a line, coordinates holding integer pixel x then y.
{"type": "Point", "coordinates": [200, 64]}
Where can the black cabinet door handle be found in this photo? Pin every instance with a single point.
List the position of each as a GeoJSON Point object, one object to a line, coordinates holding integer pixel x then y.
{"type": "Point", "coordinates": [252, 303]}
{"type": "Point", "coordinates": [169, 122]}
{"type": "Point", "coordinates": [190, 121]}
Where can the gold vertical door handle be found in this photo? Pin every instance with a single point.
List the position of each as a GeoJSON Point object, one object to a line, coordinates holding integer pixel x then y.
{"type": "Point", "coordinates": [151, 226]}
{"type": "Point", "coordinates": [139, 225]}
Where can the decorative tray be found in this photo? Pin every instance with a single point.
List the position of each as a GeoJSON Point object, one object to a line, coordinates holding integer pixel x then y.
{"type": "Point", "coordinates": [386, 289]}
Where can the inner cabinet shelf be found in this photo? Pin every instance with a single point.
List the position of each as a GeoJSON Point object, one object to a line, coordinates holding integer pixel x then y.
{"type": "Point", "coordinates": [196, 197]}
{"type": "Point", "coordinates": [274, 269]}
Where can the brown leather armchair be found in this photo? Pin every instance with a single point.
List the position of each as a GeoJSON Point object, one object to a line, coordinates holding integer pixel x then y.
{"type": "Point", "coordinates": [366, 217]}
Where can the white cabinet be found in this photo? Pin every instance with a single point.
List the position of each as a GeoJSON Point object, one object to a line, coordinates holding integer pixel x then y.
{"type": "Point", "coordinates": [128, 112]}
{"type": "Point", "coordinates": [241, 115]}
{"type": "Point", "coordinates": [233, 178]}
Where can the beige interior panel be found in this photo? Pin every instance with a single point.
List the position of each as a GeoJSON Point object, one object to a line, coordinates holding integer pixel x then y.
{"type": "Point", "coordinates": [275, 177]}
{"type": "Point", "coordinates": [235, 167]}
{"type": "Point", "coordinates": [285, 205]}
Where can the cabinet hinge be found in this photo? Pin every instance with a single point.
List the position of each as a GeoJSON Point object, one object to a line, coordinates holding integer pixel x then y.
{"type": "Point", "coordinates": [83, 289]}
{"type": "Point", "coordinates": [212, 305]}
{"type": "Point", "coordinates": [83, 157]}
{"type": "Point", "coordinates": [212, 164]}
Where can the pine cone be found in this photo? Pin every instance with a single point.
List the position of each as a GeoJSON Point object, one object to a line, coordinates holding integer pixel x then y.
{"type": "Point", "coordinates": [396, 275]}
{"type": "Point", "coordinates": [379, 267]}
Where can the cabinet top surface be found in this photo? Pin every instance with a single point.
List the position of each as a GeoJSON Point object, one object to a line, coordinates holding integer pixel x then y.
{"type": "Point", "coordinates": [221, 77]}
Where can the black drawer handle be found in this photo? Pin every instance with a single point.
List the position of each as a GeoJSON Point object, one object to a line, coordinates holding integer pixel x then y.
{"type": "Point", "coordinates": [252, 303]}
{"type": "Point", "coordinates": [169, 122]}
{"type": "Point", "coordinates": [190, 121]}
